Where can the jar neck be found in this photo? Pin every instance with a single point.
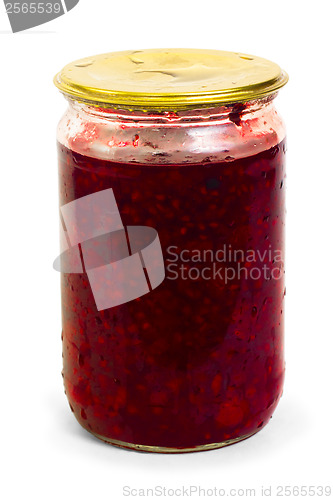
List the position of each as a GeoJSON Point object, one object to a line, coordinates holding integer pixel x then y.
{"type": "Point", "coordinates": [234, 112]}
{"type": "Point", "coordinates": [200, 135]}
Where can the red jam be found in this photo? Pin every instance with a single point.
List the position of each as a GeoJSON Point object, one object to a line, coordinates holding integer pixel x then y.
{"type": "Point", "coordinates": [198, 360]}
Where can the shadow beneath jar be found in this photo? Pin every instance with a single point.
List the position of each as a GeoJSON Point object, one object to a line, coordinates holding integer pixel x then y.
{"type": "Point", "coordinates": [288, 426]}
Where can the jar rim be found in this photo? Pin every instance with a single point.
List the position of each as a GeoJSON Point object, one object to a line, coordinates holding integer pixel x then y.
{"type": "Point", "coordinates": [169, 79]}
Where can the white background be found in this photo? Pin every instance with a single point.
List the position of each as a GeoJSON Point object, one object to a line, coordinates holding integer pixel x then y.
{"type": "Point", "coordinates": [47, 454]}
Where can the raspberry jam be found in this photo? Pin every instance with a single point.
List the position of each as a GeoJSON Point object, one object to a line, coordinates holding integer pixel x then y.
{"type": "Point", "coordinates": [195, 361]}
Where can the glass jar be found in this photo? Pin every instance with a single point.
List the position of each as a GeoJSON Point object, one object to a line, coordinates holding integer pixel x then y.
{"type": "Point", "coordinates": [172, 182]}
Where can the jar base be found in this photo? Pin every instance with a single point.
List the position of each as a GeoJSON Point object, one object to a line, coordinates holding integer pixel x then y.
{"type": "Point", "coordinates": [163, 449]}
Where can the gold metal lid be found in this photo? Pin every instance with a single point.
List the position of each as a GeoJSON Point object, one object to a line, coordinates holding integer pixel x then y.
{"type": "Point", "coordinates": [169, 79]}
